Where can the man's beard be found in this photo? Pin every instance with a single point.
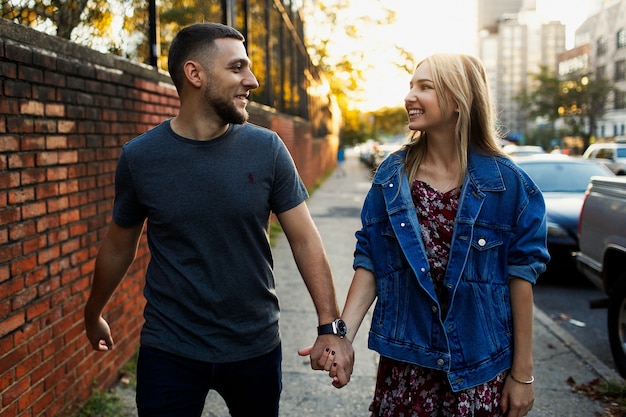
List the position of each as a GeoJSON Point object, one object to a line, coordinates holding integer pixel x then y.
{"type": "Point", "coordinates": [224, 109]}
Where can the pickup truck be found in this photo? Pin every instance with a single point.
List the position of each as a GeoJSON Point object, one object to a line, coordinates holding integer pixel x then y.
{"type": "Point", "coordinates": [602, 254]}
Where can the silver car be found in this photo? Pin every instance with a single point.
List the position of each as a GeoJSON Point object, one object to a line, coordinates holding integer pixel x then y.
{"type": "Point", "coordinates": [611, 154]}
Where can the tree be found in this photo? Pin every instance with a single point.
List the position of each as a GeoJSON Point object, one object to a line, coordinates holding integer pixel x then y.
{"type": "Point", "coordinates": [585, 103]}
{"type": "Point", "coordinates": [578, 98]}
{"type": "Point", "coordinates": [87, 22]}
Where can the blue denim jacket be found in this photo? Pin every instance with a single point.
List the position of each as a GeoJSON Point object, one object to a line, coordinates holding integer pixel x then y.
{"type": "Point", "coordinates": [499, 233]}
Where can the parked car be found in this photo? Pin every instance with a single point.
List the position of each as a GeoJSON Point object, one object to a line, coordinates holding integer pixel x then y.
{"type": "Point", "coordinates": [512, 149]}
{"type": "Point", "coordinates": [367, 152]}
{"type": "Point", "coordinates": [611, 154]}
{"type": "Point", "coordinates": [602, 255]}
{"type": "Point", "coordinates": [563, 180]}
{"type": "Point", "coordinates": [384, 150]}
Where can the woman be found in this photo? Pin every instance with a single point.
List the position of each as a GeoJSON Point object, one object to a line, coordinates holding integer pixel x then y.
{"type": "Point", "coordinates": [453, 238]}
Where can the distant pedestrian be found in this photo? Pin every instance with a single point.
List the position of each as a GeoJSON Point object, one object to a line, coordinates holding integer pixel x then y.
{"type": "Point", "coordinates": [453, 238]}
{"type": "Point", "coordinates": [205, 183]}
{"type": "Point", "coordinates": [341, 159]}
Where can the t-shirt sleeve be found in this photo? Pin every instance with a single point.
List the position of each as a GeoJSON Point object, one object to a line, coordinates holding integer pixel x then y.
{"type": "Point", "coordinates": [127, 209]}
{"type": "Point", "coordinates": [288, 190]}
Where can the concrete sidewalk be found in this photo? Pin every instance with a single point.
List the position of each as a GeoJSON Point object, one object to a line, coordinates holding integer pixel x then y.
{"type": "Point", "coordinates": [335, 207]}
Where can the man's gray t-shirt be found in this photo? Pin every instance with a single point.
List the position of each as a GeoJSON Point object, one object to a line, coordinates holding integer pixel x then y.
{"type": "Point", "coordinates": [209, 285]}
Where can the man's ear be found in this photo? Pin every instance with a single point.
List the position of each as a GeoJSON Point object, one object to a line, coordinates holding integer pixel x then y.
{"type": "Point", "coordinates": [193, 72]}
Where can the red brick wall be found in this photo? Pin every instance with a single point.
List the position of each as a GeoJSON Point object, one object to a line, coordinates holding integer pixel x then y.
{"type": "Point", "coordinates": [65, 111]}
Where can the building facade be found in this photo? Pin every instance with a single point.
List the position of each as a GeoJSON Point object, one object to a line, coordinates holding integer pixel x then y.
{"type": "Point", "coordinates": [522, 42]}
{"type": "Point", "coordinates": [605, 35]}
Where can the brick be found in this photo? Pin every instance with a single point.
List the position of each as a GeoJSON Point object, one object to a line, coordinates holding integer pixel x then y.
{"type": "Point", "coordinates": [54, 110]}
{"type": "Point", "coordinates": [30, 246]}
{"type": "Point", "coordinates": [46, 190]}
{"type": "Point", "coordinates": [23, 336]}
{"type": "Point", "coordinates": [21, 160]}
{"type": "Point", "coordinates": [8, 69]}
{"type": "Point", "coordinates": [19, 53]}
{"type": "Point", "coordinates": [45, 59]}
{"type": "Point", "coordinates": [10, 215]}
{"type": "Point", "coordinates": [69, 217]}
{"type": "Point", "coordinates": [56, 174]}
{"type": "Point", "coordinates": [9, 180]}
{"type": "Point", "coordinates": [47, 158]}
{"type": "Point", "coordinates": [42, 405]}
{"type": "Point", "coordinates": [54, 79]}
{"type": "Point", "coordinates": [33, 143]}
{"type": "Point", "coordinates": [41, 275]}
{"type": "Point", "coordinates": [26, 400]}
{"type": "Point", "coordinates": [22, 230]}
{"type": "Point", "coordinates": [47, 223]}
{"type": "Point", "coordinates": [67, 126]}
{"type": "Point", "coordinates": [33, 176]}
{"type": "Point", "coordinates": [44, 93]}
{"type": "Point", "coordinates": [57, 204]}
{"type": "Point", "coordinates": [45, 367]}
{"type": "Point", "coordinates": [27, 364]}
{"type": "Point", "coordinates": [41, 309]}
{"type": "Point", "coordinates": [23, 298]}
{"type": "Point", "coordinates": [8, 253]}
{"type": "Point", "coordinates": [22, 195]}
{"type": "Point", "coordinates": [32, 107]}
{"type": "Point", "coordinates": [7, 325]}
{"type": "Point", "coordinates": [23, 264]}
{"type": "Point", "coordinates": [9, 144]}
{"type": "Point", "coordinates": [30, 74]}
{"type": "Point", "coordinates": [20, 124]}
{"type": "Point", "coordinates": [68, 157]}
{"type": "Point", "coordinates": [48, 254]}
{"type": "Point", "coordinates": [17, 89]}
{"type": "Point", "coordinates": [33, 209]}
{"type": "Point", "coordinates": [44, 126]}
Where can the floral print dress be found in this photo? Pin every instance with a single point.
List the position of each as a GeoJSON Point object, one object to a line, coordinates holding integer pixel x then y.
{"type": "Point", "coordinates": [407, 390]}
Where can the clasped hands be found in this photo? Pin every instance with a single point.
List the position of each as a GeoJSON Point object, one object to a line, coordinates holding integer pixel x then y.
{"type": "Point", "coordinates": [333, 355]}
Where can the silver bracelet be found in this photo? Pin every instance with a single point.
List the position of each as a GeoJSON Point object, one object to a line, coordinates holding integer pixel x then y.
{"type": "Point", "coordinates": [519, 381]}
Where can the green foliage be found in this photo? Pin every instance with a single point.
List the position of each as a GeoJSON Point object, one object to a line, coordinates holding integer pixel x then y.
{"type": "Point", "coordinates": [578, 98]}
{"type": "Point", "coordinates": [101, 404]}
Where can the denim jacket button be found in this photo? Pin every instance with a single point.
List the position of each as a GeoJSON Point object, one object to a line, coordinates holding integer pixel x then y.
{"type": "Point", "coordinates": [402, 224]}
{"type": "Point", "coordinates": [390, 185]}
{"type": "Point", "coordinates": [440, 362]}
{"type": "Point", "coordinates": [482, 242]}
{"type": "Point", "coordinates": [422, 269]}
{"type": "Point", "coordinates": [434, 309]}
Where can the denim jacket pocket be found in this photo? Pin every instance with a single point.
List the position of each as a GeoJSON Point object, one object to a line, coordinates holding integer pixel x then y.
{"type": "Point", "coordinates": [485, 248]}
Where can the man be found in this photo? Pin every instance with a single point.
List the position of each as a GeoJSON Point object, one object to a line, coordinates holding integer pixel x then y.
{"type": "Point", "coordinates": [206, 182]}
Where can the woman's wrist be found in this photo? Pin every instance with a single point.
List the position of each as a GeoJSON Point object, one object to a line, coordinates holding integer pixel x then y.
{"type": "Point", "coordinates": [521, 381]}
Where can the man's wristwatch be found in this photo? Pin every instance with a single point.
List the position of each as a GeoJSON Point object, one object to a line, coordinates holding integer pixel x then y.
{"type": "Point", "coordinates": [337, 327]}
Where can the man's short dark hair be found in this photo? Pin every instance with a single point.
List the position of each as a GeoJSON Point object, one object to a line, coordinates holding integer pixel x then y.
{"type": "Point", "coordinates": [195, 40]}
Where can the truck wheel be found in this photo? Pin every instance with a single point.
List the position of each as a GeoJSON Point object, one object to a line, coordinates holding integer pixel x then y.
{"type": "Point", "coordinates": [617, 324]}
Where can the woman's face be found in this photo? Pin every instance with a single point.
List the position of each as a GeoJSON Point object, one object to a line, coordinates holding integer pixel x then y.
{"type": "Point", "coordinates": [422, 103]}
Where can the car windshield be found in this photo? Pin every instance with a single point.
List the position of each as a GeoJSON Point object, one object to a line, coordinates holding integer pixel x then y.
{"type": "Point", "coordinates": [562, 177]}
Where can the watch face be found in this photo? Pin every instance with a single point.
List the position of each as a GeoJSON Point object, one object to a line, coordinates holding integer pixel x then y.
{"type": "Point", "coordinates": [341, 328]}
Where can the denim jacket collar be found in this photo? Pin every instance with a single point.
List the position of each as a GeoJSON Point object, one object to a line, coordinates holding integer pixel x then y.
{"type": "Point", "coordinates": [482, 171]}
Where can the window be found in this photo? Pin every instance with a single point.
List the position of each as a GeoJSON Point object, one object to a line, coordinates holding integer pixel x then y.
{"type": "Point", "coordinates": [620, 70]}
{"type": "Point", "coordinates": [601, 46]}
{"type": "Point", "coordinates": [621, 38]}
{"type": "Point", "coordinates": [619, 101]}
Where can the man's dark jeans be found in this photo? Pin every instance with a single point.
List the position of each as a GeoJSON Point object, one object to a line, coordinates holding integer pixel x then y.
{"type": "Point", "coordinates": [172, 386]}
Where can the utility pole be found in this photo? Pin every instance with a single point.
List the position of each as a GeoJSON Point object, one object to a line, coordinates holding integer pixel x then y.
{"type": "Point", "coordinates": [153, 32]}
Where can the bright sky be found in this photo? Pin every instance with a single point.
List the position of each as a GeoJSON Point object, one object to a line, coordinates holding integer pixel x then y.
{"type": "Point", "coordinates": [424, 27]}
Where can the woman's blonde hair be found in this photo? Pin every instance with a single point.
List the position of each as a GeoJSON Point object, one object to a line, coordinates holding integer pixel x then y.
{"type": "Point", "coordinates": [463, 78]}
